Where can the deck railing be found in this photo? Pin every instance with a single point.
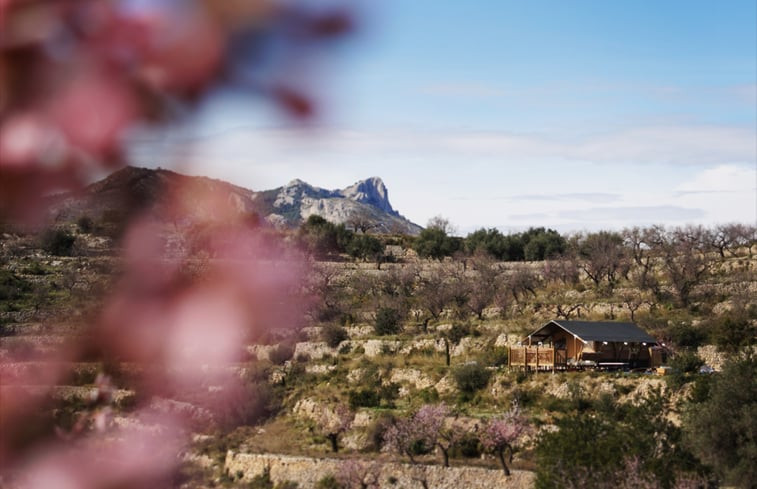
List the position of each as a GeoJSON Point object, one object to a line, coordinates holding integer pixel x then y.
{"type": "Point", "coordinates": [536, 357]}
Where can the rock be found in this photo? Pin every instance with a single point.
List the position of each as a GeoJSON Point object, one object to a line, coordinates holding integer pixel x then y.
{"type": "Point", "coordinates": [711, 356]}
{"type": "Point", "coordinates": [313, 350]}
{"type": "Point", "coordinates": [374, 348]}
{"type": "Point", "coordinates": [411, 376]}
{"type": "Point", "coordinates": [319, 369]}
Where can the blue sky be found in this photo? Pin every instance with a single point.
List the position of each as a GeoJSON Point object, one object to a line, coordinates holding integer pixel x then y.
{"type": "Point", "coordinates": [573, 115]}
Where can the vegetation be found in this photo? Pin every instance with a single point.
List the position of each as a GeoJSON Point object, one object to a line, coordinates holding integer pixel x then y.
{"type": "Point", "coordinates": [387, 321]}
{"type": "Point", "coordinates": [721, 429]}
{"type": "Point", "coordinates": [434, 391]}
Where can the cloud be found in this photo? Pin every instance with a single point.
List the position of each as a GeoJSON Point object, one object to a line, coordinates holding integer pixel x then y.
{"type": "Point", "coordinates": [699, 145]}
{"type": "Point", "coordinates": [596, 197]}
{"type": "Point", "coordinates": [720, 179]}
{"type": "Point", "coordinates": [636, 214]}
{"type": "Point", "coordinates": [675, 144]}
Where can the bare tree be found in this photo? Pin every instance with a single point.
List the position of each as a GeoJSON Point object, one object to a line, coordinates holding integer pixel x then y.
{"type": "Point", "coordinates": [641, 242]}
{"type": "Point", "coordinates": [360, 219]}
{"type": "Point", "coordinates": [730, 237]}
{"type": "Point", "coordinates": [438, 290]}
{"type": "Point", "coordinates": [443, 224]}
{"type": "Point", "coordinates": [521, 281]}
{"type": "Point", "coordinates": [633, 300]}
{"type": "Point", "coordinates": [603, 258]}
{"type": "Point", "coordinates": [685, 260]}
{"type": "Point", "coordinates": [563, 270]}
{"type": "Point", "coordinates": [483, 285]}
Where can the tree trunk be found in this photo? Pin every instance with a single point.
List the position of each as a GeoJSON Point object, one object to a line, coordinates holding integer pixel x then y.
{"type": "Point", "coordinates": [334, 438]}
{"type": "Point", "coordinates": [446, 351]}
{"type": "Point", "coordinates": [501, 455]}
{"type": "Point", "coordinates": [445, 455]}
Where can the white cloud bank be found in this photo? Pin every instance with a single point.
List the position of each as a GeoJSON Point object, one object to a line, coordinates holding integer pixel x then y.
{"type": "Point", "coordinates": [666, 174]}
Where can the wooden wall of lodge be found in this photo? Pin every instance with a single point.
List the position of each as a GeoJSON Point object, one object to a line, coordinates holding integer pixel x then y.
{"type": "Point", "coordinates": [548, 356]}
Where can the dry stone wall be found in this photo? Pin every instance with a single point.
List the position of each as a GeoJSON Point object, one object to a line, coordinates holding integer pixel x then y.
{"type": "Point", "coordinates": [308, 471]}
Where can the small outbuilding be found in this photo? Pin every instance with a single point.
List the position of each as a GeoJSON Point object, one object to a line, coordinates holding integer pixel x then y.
{"type": "Point", "coordinates": [581, 344]}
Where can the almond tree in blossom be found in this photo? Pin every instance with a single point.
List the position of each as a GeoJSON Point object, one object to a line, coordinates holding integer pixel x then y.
{"type": "Point", "coordinates": [501, 435]}
{"type": "Point", "coordinates": [422, 432]}
{"type": "Point", "coordinates": [75, 77]}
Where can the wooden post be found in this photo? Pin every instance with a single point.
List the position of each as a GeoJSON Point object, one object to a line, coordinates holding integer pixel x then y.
{"type": "Point", "coordinates": [553, 358]}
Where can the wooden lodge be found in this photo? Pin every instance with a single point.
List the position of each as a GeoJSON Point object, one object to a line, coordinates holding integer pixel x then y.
{"type": "Point", "coordinates": [562, 345]}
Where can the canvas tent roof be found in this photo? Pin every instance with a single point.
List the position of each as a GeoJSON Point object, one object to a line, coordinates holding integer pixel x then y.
{"type": "Point", "coordinates": [595, 331]}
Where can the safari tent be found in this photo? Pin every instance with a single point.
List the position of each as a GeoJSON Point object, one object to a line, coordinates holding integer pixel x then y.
{"type": "Point", "coordinates": [586, 344]}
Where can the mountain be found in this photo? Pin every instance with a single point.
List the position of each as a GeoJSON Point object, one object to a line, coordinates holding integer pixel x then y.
{"type": "Point", "coordinates": [364, 204]}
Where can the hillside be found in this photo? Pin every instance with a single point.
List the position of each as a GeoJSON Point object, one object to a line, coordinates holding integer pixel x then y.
{"type": "Point", "coordinates": [332, 358]}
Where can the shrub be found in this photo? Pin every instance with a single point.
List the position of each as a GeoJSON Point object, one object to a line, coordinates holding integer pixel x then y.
{"type": "Point", "coordinates": [58, 242]}
{"type": "Point", "coordinates": [495, 356]}
{"type": "Point", "coordinates": [364, 398]}
{"type": "Point", "coordinates": [387, 321]}
{"type": "Point", "coordinates": [720, 430]}
{"type": "Point", "coordinates": [11, 286]}
{"type": "Point", "coordinates": [281, 354]}
{"type": "Point", "coordinates": [333, 335]}
{"type": "Point", "coordinates": [286, 485]}
{"type": "Point", "coordinates": [686, 362]}
{"type": "Point", "coordinates": [469, 446]}
{"type": "Point", "coordinates": [733, 331]}
{"type": "Point", "coordinates": [686, 335]}
{"type": "Point", "coordinates": [85, 224]}
{"type": "Point", "coordinates": [328, 482]}
{"type": "Point", "coordinates": [471, 377]}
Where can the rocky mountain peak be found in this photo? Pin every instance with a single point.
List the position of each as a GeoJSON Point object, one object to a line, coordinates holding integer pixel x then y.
{"type": "Point", "coordinates": [371, 191]}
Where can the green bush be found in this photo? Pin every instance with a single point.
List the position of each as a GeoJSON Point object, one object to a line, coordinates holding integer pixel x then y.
{"type": "Point", "coordinates": [687, 336]}
{"type": "Point", "coordinates": [721, 429]}
{"type": "Point", "coordinates": [328, 482]}
{"type": "Point", "coordinates": [471, 377]}
{"type": "Point", "coordinates": [469, 446]}
{"type": "Point", "coordinates": [495, 356]}
{"type": "Point", "coordinates": [333, 334]}
{"type": "Point", "coordinates": [387, 321]}
{"type": "Point", "coordinates": [363, 398]}
{"type": "Point", "coordinates": [11, 286]}
{"type": "Point", "coordinates": [686, 362]}
{"type": "Point", "coordinates": [58, 242]}
{"type": "Point", "coordinates": [593, 449]}
{"type": "Point", "coordinates": [732, 331]}
{"type": "Point", "coordinates": [85, 224]}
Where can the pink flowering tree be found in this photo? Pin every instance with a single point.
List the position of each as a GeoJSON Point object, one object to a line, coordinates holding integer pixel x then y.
{"type": "Point", "coordinates": [334, 422]}
{"type": "Point", "coordinates": [501, 435]}
{"type": "Point", "coordinates": [425, 430]}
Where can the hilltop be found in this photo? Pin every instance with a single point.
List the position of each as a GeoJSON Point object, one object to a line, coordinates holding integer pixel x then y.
{"type": "Point", "coordinates": [363, 205]}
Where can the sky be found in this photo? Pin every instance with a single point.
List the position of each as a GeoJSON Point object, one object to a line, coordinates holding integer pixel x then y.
{"type": "Point", "coordinates": [578, 115]}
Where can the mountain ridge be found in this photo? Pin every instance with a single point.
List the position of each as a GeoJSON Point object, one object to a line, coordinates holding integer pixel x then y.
{"type": "Point", "coordinates": [134, 189]}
